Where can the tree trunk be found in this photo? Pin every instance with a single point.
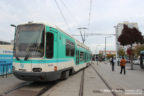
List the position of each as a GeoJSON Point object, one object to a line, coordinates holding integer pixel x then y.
{"type": "Point", "coordinates": [131, 58]}
{"type": "Point", "coordinates": [131, 62]}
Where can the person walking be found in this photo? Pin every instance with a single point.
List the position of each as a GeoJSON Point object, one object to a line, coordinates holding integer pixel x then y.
{"type": "Point", "coordinates": [97, 59]}
{"type": "Point", "coordinates": [112, 63]}
{"type": "Point", "coordinates": [122, 64]}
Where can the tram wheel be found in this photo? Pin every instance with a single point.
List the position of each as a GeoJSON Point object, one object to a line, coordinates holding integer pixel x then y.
{"type": "Point", "coordinates": [65, 75]}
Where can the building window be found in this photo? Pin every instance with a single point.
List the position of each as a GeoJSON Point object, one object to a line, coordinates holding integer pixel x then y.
{"type": "Point", "coordinates": [70, 48]}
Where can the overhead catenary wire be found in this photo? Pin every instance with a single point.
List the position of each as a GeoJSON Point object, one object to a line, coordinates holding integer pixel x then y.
{"type": "Point", "coordinates": [68, 10]}
{"type": "Point", "coordinates": [66, 7]}
{"type": "Point", "coordinates": [62, 14]}
{"type": "Point", "coordinates": [89, 19]}
{"type": "Point", "coordinates": [94, 34]}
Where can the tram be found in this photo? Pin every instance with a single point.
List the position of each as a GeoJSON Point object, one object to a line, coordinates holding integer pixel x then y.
{"type": "Point", "coordinates": [45, 53]}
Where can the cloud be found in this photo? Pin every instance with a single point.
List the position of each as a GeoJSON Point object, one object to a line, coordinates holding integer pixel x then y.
{"type": "Point", "coordinates": [105, 14]}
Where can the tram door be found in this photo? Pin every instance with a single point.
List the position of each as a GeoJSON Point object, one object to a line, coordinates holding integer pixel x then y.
{"type": "Point", "coordinates": [49, 45]}
{"type": "Point", "coordinates": [77, 57]}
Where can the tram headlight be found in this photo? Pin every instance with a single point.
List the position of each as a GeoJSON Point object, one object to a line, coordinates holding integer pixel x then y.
{"type": "Point", "coordinates": [37, 69]}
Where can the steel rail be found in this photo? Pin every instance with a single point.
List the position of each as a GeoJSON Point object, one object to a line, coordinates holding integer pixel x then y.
{"type": "Point", "coordinates": [82, 84]}
{"type": "Point", "coordinates": [27, 89]}
{"type": "Point", "coordinates": [104, 81]}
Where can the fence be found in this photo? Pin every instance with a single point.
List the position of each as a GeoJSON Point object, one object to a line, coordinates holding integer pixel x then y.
{"type": "Point", "coordinates": [5, 69]}
{"type": "Point", "coordinates": [6, 59]}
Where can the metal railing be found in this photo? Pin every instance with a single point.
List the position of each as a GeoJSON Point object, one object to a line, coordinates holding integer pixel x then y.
{"type": "Point", "coordinates": [4, 69]}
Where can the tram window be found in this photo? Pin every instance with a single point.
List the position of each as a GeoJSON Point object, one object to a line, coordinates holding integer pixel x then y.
{"type": "Point", "coordinates": [70, 48]}
{"type": "Point", "coordinates": [67, 50]}
{"type": "Point", "coordinates": [42, 44]}
{"type": "Point", "coordinates": [49, 45]}
{"type": "Point", "coordinates": [77, 57]}
{"type": "Point", "coordinates": [72, 52]}
{"type": "Point", "coordinates": [81, 56]}
{"type": "Point", "coordinates": [85, 57]}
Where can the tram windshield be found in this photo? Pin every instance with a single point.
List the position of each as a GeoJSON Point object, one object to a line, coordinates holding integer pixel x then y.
{"type": "Point", "coordinates": [29, 40]}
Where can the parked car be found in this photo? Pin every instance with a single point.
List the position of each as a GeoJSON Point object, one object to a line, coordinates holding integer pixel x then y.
{"type": "Point", "coordinates": [119, 59]}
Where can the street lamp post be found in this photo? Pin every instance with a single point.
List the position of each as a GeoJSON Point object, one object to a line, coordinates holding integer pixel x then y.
{"type": "Point", "coordinates": [116, 42]}
{"type": "Point", "coordinates": [105, 44]}
{"type": "Point", "coordinates": [12, 25]}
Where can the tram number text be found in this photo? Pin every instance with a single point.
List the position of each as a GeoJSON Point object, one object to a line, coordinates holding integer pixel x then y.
{"type": "Point", "coordinates": [50, 64]}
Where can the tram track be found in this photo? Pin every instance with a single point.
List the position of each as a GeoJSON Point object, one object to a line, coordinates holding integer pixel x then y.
{"type": "Point", "coordinates": [82, 83]}
{"type": "Point", "coordinates": [15, 88]}
{"type": "Point", "coordinates": [30, 89]}
{"type": "Point", "coordinates": [104, 81]}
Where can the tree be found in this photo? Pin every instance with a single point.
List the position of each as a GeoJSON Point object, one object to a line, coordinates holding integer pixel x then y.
{"type": "Point", "coordinates": [138, 49]}
{"type": "Point", "coordinates": [130, 36]}
{"type": "Point", "coordinates": [121, 52]}
{"type": "Point", "coordinates": [110, 56]}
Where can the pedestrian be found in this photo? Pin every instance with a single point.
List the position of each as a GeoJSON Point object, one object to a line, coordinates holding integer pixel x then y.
{"type": "Point", "coordinates": [112, 63]}
{"type": "Point", "coordinates": [97, 59]}
{"type": "Point", "coordinates": [122, 64]}
{"type": "Point", "coordinates": [118, 61]}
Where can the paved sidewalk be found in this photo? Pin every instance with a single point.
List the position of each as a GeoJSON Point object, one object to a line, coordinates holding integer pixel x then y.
{"type": "Point", "coordinates": [93, 85]}
{"type": "Point", "coordinates": [4, 76]}
{"type": "Point", "coordinates": [70, 87]}
{"type": "Point", "coordinates": [132, 84]}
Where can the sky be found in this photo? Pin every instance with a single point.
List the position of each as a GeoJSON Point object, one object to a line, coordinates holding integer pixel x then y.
{"type": "Point", "coordinates": [105, 14]}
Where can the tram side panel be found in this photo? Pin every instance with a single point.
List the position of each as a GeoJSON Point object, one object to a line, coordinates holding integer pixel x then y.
{"type": "Point", "coordinates": [65, 55]}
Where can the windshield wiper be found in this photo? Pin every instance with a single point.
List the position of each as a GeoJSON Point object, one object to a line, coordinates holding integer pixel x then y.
{"type": "Point", "coordinates": [17, 57]}
{"type": "Point", "coordinates": [27, 56]}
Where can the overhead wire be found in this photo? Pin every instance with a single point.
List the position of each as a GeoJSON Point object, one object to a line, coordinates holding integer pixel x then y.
{"type": "Point", "coordinates": [62, 14]}
{"type": "Point", "coordinates": [67, 8]}
{"type": "Point", "coordinates": [89, 19]}
{"type": "Point", "coordinates": [76, 21]}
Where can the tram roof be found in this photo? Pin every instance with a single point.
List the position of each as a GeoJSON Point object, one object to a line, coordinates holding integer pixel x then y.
{"type": "Point", "coordinates": [77, 42]}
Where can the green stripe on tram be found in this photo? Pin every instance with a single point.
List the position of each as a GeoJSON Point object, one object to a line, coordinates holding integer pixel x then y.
{"type": "Point", "coordinates": [41, 61]}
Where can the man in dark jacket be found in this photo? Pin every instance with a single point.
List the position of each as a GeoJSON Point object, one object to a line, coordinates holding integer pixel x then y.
{"type": "Point", "coordinates": [112, 63]}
